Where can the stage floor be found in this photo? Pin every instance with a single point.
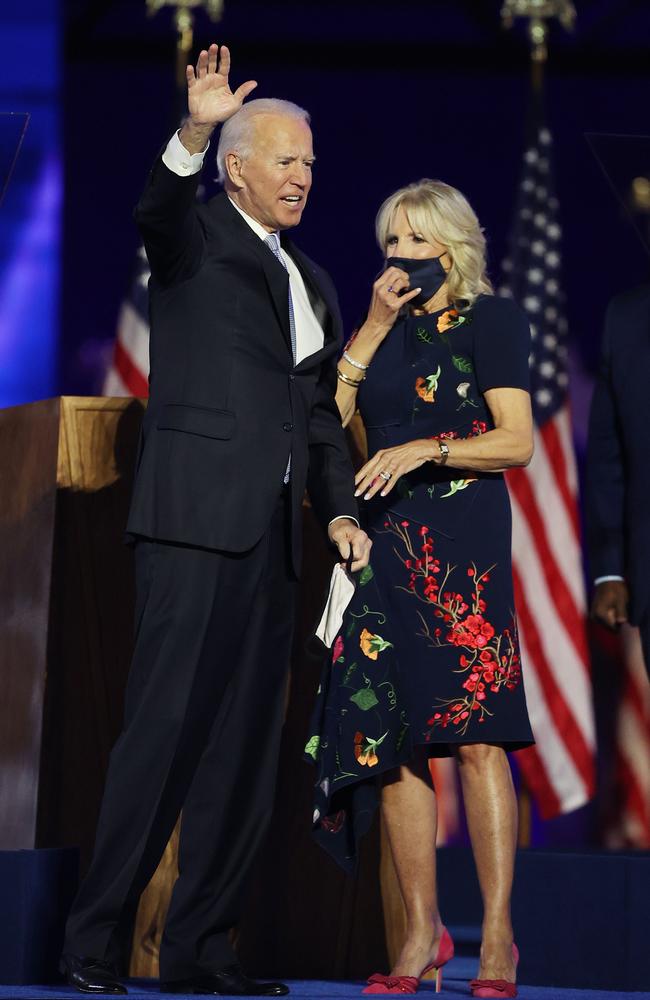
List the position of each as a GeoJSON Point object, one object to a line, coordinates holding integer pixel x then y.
{"type": "Point", "coordinates": [454, 985]}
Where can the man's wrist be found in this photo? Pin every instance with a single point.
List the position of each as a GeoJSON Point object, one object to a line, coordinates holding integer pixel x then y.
{"type": "Point", "coordinates": [195, 137]}
{"type": "Point", "coordinates": [343, 517]}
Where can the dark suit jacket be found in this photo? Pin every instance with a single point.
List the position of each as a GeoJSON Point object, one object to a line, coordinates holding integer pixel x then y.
{"type": "Point", "coordinates": [618, 453]}
{"type": "Point", "coordinates": [226, 403]}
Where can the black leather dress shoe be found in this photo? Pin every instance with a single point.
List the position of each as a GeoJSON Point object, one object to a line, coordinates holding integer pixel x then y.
{"type": "Point", "coordinates": [90, 975]}
{"type": "Point", "coordinates": [231, 981]}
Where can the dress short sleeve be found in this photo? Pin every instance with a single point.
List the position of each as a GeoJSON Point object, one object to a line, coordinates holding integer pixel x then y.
{"type": "Point", "coordinates": [501, 344]}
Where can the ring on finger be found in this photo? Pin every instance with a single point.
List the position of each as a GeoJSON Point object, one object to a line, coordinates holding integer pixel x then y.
{"type": "Point", "coordinates": [386, 476]}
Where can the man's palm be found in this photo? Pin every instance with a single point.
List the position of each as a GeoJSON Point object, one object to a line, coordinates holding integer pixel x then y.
{"type": "Point", "coordinates": [209, 97]}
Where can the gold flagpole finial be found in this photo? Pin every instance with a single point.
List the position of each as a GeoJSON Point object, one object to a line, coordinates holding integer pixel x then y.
{"type": "Point", "coordinates": [539, 14]}
{"type": "Point", "coordinates": [184, 21]}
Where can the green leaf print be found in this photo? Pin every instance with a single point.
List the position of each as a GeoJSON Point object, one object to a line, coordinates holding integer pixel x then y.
{"type": "Point", "coordinates": [351, 627]}
{"type": "Point", "coordinates": [365, 699]}
{"type": "Point", "coordinates": [456, 485]}
{"type": "Point", "coordinates": [313, 746]}
{"type": "Point", "coordinates": [366, 576]}
{"type": "Point", "coordinates": [423, 335]}
{"type": "Point", "coordinates": [348, 674]}
{"type": "Point", "coordinates": [461, 363]}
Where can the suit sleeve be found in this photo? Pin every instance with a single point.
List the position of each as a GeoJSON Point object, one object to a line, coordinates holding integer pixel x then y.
{"type": "Point", "coordinates": [605, 470]}
{"type": "Point", "coordinates": [167, 218]}
{"type": "Point", "coordinates": [330, 479]}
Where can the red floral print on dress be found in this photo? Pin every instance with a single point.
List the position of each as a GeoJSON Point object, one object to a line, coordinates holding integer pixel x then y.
{"type": "Point", "coordinates": [488, 661]}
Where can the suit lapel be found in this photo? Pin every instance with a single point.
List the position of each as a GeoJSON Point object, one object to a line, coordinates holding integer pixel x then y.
{"type": "Point", "coordinates": [324, 307]}
{"type": "Point", "coordinates": [276, 275]}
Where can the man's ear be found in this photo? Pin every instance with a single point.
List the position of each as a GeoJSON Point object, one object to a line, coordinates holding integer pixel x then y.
{"type": "Point", "coordinates": [233, 166]}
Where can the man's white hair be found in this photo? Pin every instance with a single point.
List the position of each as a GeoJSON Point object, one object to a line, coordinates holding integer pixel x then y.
{"type": "Point", "coordinates": [237, 133]}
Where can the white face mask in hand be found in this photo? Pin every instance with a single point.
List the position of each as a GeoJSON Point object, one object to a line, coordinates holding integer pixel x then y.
{"type": "Point", "coordinates": [340, 595]}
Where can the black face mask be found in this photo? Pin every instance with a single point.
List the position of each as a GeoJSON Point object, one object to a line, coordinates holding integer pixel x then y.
{"type": "Point", "coordinates": [427, 274]}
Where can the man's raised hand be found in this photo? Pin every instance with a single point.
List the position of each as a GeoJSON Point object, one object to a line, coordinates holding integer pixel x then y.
{"type": "Point", "coordinates": [210, 101]}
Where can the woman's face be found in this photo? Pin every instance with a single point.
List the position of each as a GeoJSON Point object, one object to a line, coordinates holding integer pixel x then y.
{"type": "Point", "coordinates": [401, 241]}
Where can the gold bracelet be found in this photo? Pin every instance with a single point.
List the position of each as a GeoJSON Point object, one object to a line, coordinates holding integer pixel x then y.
{"type": "Point", "coordinates": [355, 382]}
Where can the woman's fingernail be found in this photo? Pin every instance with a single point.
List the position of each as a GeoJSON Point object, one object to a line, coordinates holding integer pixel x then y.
{"type": "Point", "coordinates": [357, 493]}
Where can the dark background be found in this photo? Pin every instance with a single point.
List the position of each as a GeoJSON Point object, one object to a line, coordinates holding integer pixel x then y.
{"type": "Point", "coordinates": [397, 91]}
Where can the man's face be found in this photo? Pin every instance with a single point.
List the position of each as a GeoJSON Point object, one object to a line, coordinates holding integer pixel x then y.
{"type": "Point", "coordinates": [273, 182]}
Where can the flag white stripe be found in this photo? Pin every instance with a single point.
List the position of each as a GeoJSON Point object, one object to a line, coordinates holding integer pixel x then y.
{"type": "Point", "coordinates": [113, 384]}
{"type": "Point", "coordinates": [560, 653]}
{"type": "Point", "coordinates": [560, 532]}
{"type": "Point", "coordinates": [565, 434]}
{"type": "Point", "coordinates": [133, 334]}
{"type": "Point", "coordinates": [561, 772]}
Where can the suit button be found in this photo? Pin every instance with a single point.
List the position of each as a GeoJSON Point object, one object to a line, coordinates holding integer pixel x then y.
{"type": "Point", "coordinates": [287, 426]}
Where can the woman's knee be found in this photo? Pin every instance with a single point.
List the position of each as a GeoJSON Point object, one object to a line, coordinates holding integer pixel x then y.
{"type": "Point", "coordinates": [480, 755]}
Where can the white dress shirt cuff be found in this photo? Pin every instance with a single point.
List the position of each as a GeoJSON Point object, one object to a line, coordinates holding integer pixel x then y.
{"type": "Point", "coordinates": [347, 516]}
{"type": "Point", "coordinates": [605, 579]}
{"type": "Point", "coordinates": [179, 160]}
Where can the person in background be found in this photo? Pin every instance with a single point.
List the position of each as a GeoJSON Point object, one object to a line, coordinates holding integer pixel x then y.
{"type": "Point", "coordinates": [428, 662]}
{"type": "Point", "coordinates": [618, 469]}
{"type": "Point", "coordinates": [245, 332]}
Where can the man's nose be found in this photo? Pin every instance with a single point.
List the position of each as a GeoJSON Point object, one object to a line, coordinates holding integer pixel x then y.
{"type": "Point", "coordinates": [299, 175]}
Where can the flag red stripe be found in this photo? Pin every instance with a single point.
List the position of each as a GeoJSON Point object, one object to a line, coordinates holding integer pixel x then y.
{"type": "Point", "coordinates": [635, 799]}
{"type": "Point", "coordinates": [537, 781]}
{"type": "Point", "coordinates": [562, 715]}
{"type": "Point", "coordinates": [556, 456]}
{"type": "Point", "coordinates": [130, 374]}
{"type": "Point", "coordinates": [568, 612]}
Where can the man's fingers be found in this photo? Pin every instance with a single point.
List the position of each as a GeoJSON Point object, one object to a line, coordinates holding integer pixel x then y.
{"type": "Point", "coordinates": [213, 55]}
{"type": "Point", "coordinates": [190, 76]}
{"type": "Point", "coordinates": [246, 88]}
{"type": "Point", "coordinates": [224, 60]}
{"type": "Point", "coordinates": [343, 546]}
{"type": "Point", "coordinates": [202, 64]}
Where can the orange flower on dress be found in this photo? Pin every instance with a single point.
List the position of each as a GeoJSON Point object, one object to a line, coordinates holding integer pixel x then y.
{"type": "Point", "coordinates": [372, 645]}
{"type": "Point", "coordinates": [426, 388]}
{"type": "Point", "coordinates": [447, 320]}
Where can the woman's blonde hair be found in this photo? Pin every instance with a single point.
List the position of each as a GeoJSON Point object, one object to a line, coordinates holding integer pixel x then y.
{"type": "Point", "coordinates": [437, 211]}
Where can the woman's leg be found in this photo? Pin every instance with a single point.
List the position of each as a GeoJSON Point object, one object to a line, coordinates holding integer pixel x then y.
{"type": "Point", "coordinates": [491, 810]}
{"type": "Point", "coordinates": [408, 805]}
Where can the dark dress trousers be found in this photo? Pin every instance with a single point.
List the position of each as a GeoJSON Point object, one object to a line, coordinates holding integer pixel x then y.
{"type": "Point", "coordinates": [217, 549]}
{"type": "Point", "coordinates": [618, 455]}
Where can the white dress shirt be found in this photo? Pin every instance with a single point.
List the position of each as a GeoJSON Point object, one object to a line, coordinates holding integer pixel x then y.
{"type": "Point", "coordinates": [309, 333]}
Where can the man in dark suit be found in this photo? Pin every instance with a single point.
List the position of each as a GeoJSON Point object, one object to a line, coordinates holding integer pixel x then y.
{"type": "Point", "coordinates": [618, 469]}
{"type": "Point", "coordinates": [245, 332]}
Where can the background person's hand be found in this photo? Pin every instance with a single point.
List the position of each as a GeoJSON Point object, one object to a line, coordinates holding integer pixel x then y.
{"type": "Point", "coordinates": [609, 603]}
{"type": "Point", "coordinates": [350, 538]}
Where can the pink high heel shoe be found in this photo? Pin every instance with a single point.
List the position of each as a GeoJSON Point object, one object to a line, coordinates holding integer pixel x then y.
{"type": "Point", "coordinates": [409, 984]}
{"type": "Point", "coordinates": [488, 988]}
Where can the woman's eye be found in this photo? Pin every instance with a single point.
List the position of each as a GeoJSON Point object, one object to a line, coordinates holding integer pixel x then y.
{"type": "Point", "coordinates": [418, 239]}
{"type": "Point", "coordinates": [391, 241]}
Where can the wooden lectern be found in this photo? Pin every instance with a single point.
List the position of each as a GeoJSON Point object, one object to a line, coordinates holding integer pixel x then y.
{"type": "Point", "coordinates": [66, 606]}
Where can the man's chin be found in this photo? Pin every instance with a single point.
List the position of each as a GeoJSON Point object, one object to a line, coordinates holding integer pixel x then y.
{"type": "Point", "coordinates": [288, 217]}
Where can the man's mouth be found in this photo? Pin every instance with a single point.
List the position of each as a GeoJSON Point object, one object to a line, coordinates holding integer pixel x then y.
{"type": "Point", "coordinates": [292, 199]}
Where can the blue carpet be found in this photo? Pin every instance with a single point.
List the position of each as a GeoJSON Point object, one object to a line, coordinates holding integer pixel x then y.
{"type": "Point", "coordinates": [454, 985]}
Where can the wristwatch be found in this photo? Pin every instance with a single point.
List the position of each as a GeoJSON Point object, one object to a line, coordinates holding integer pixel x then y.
{"type": "Point", "coordinates": [444, 451]}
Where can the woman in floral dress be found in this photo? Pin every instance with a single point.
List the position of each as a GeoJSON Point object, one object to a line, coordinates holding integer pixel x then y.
{"type": "Point", "coordinates": [427, 662]}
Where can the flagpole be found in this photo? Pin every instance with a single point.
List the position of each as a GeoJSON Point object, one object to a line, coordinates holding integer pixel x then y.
{"type": "Point", "coordinates": [184, 22]}
{"type": "Point", "coordinates": [538, 14]}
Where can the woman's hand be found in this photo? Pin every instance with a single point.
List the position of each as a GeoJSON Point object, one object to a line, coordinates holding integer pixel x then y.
{"type": "Point", "coordinates": [386, 299]}
{"type": "Point", "coordinates": [393, 463]}
{"type": "Point", "coordinates": [210, 101]}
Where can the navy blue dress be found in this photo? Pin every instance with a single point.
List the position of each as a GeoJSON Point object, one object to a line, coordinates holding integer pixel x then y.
{"type": "Point", "coordinates": [428, 652]}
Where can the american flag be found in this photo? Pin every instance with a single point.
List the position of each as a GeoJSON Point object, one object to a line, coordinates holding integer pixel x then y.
{"type": "Point", "coordinates": [559, 770]}
{"type": "Point", "coordinates": [128, 374]}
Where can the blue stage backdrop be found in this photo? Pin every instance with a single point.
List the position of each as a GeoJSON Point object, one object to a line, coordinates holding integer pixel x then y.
{"type": "Point", "coordinates": [30, 214]}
